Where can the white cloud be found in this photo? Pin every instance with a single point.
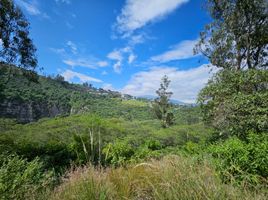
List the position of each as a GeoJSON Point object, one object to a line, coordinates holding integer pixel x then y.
{"type": "Point", "coordinates": [104, 73]}
{"type": "Point", "coordinates": [115, 55]}
{"type": "Point", "coordinates": [72, 46]}
{"type": "Point", "coordinates": [32, 8]}
{"type": "Point", "coordinates": [63, 1]}
{"type": "Point", "coordinates": [131, 58]}
{"type": "Point", "coordinates": [69, 26]}
{"type": "Point", "coordinates": [183, 50]}
{"type": "Point", "coordinates": [60, 51]}
{"type": "Point", "coordinates": [137, 39]}
{"type": "Point", "coordinates": [118, 56]}
{"type": "Point", "coordinates": [117, 67]}
{"type": "Point", "coordinates": [102, 64]}
{"type": "Point", "coordinates": [137, 13]}
{"type": "Point", "coordinates": [71, 56]}
{"type": "Point", "coordinates": [107, 86]}
{"type": "Point", "coordinates": [185, 84]}
{"type": "Point", "coordinates": [84, 62]}
{"type": "Point", "coordinates": [70, 75]}
{"type": "Point", "coordinates": [80, 62]}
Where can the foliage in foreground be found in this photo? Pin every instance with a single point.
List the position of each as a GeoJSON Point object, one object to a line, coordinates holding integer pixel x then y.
{"type": "Point", "coordinates": [20, 179]}
{"type": "Point", "coordinates": [171, 178]}
{"type": "Point", "coordinates": [239, 161]}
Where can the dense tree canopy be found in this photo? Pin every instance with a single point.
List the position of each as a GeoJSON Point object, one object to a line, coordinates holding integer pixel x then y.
{"type": "Point", "coordinates": [237, 38]}
{"type": "Point", "coordinates": [15, 45]}
{"type": "Point", "coordinates": [235, 101]}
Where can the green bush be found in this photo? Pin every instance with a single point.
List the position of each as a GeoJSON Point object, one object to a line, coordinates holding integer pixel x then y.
{"type": "Point", "coordinates": [235, 102]}
{"type": "Point", "coordinates": [192, 148]}
{"type": "Point", "coordinates": [153, 144]}
{"type": "Point", "coordinates": [20, 179]}
{"type": "Point", "coordinates": [242, 161]}
{"type": "Point", "coordinates": [118, 153]}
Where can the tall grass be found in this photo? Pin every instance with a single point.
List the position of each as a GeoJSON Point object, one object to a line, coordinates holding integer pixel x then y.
{"type": "Point", "coordinates": [172, 178]}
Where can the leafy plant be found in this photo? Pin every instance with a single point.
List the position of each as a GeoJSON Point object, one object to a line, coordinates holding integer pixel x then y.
{"type": "Point", "coordinates": [240, 161]}
{"type": "Point", "coordinates": [20, 179]}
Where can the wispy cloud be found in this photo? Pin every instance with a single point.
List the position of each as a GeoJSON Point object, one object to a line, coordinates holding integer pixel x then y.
{"type": "Point", "coordinates": [69, 25]}
{"type": "Point", "coordinates": [185, 84]}
{"type": "Point", "coordinates": [115, 55]}
{"type": "Point", "coordinates": [71, 56]}
{"type": "Point", "coordinates": [118, 55]}
{"type": "Point", "coordinates": [102, 64]}
{"type": "Point", "coordinates": [137, 39]}
{"type": "Point", "coordinates": [138, 13]}
{"type": "Point", "coordinates": [60, 51]}
{"type": "Point", "coordinates": [79, 63]}
{"type": "Point", "coordinates": [85, 62]}
{"type": "Point", "coordinates": [183, 50]}
{"type": "Point", "coordinates": [72, 46]}
{"type": "Point", "coordinates": [32, 8]}
{"type": "Point", "coordinates": [107, 86]}
{"type": "Point", "coordinates": [63, 1]}
{"type": "Point", "coordinates": [104, 73]}
{"type": "Point", "coordinates": [131, 58]}
{"type": "Point", "coordinates": [69, 75]}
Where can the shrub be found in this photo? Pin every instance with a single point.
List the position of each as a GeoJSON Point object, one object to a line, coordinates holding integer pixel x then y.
{"type": "Point", "coordinates": [235, 102]}
{"type": "Point", "coordinates": [20, 179]}
{"type": "Point", "coordinates": [118, 153]}
{"type": "Point", "coordinates": [241, 161]}
{"type": "Point", "coordinates": [192, 148]}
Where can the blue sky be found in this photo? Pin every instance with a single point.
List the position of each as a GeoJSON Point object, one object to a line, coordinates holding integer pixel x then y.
{"type": "Point", "coordinates": [124, 45]}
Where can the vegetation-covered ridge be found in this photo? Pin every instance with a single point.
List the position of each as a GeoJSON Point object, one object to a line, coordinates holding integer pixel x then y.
{"type": "Point", "coordinates": [52, 96]}
{"type": "Point", "coordinates": [100, 145]}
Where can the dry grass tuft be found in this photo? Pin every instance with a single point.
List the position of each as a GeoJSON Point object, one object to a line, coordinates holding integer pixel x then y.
{"type": "Point", "coordinates": [171, 178]}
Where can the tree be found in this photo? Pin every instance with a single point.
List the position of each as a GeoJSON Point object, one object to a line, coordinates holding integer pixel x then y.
{"type": "Point", "coordinates": [233, 111]}
{"type": "Point", "coordinates": [161, 106]}
{"type": "Point", "coordinates": [237, 38]}
{"type": "Point", "coordinates": [235, 101]}
{"type": "Point", "coordinates": [15, 45]}
{"type": "Point", "coordinates": [59, 78]}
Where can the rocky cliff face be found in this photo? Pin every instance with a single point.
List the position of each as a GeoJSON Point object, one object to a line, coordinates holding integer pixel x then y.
{"type": "Point", "coordinates": [26, 112]}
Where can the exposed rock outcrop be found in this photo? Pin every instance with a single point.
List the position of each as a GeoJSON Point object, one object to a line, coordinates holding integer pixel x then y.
{"type": "Point", "coordinates": [26, 112]}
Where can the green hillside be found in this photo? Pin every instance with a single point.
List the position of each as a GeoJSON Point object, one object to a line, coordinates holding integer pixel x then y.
{"type": "Point", "coordinates": [66, 99]}
{"type": "Point", "coordinates": [52, 96]}
{"type": "Point", "coordinates": [66, 141]}
{"type": "Point", "coordinates": [110, 131]}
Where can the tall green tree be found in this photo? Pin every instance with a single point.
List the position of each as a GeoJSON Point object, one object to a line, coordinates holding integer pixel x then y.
{"type": "Point", "coordinates": [162, 106]}
{"type": "Point", "coordinates": [16, 45]}
{"type": "Point", "coordinates": [235, 100]}
{"type": "Point", "coordinates": [237, 37]}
